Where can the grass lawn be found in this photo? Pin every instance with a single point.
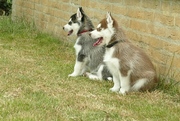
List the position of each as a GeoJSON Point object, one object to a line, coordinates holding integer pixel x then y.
{"type": "Point", "coordinates": [34, 84]}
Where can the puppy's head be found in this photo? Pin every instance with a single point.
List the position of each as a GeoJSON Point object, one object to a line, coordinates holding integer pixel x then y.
{"type": "Point", "coordinates": [75, 21]}
{"type": "Point", "coordinates": [105, 30]}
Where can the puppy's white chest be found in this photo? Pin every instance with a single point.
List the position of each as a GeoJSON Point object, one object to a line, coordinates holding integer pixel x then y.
{"type": "Point", "coordinates": [109, 54]}
{"type": "Point", "coordinates": [77, 47]}
{"type": "Point", "coordinates": [112, 62]}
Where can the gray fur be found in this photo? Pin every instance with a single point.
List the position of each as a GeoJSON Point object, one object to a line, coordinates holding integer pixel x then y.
{"type": "Point", "coordinates": [89, 56]}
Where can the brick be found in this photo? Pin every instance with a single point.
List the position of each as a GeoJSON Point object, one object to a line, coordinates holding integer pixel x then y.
{"type": "Point", "coordinates": [41, 17]}
{"type": "Point", "coordinates": [157, 56]}
{"type": "Point", "coordinates": [158, 30]}
{"type": "Point", "coordinates": [76, 2]}
{"type": "Point", "coordinates": [133, 2]}
{"type": "Point", "coordinates": [161, 43]}
{"type": "Point", "coordinates": [37, 1]}
{"type": "Point", "coordinates": [120, 10]}
{"type": "Point", "coordinates": [31, 1]}
{"type": "Point", "coordinates": [98, 5]}
{"type": "Point", "coordinates": [140, 26]}
{"type": "Point", "coordinates": [161, 69]}
{"type": "Point", "coordinates": [174, 48]}
{"type": "Point", "coordinates": [173, 33]}
{"type": "Point", "coordinates": [30, 12]}
{"type": "Point", "coordinates": [18, 2]}
{"type": "Point", "coordinates": [122, 22]}
{"type": "Point", "coordinates": [83, 3]}
{"type": "Point", "coordinates": [48, 10]}
{"type": "Point", "coordinates": [133, 35]}
{"type": "Point", "coordinates": [165, 6]}
{"type": "Point", "coordinates": [117, 1]}
{"type": "Point", "coordinates": [176, 62]}
{"type": "Point", "coordinates": [175, 7]}
{"type": "Point", "coordinates": [177, 21]}
{"type": "Point", "coordinates": [99, 16]}
{"type": "Point", "coordinates": [65, 16]}
{"type": "Point", "coordinates": [151, 4]}
{"type": "Point", "coordinates": [41, 25]}
{"type": "Point", "coordinates": [140, 14]}
{"type": "Point", "coordinates": [45, 2]}
{"type": "Point", "coordinates": [151, 41]}
{"type": "Point", "coordinates": [50, 27]}
{"type": "Point", "coordinates": [66, 7]}
{"type": "Point", "coordinates": [28, 4]}
{"type": "Point", "coordinates": [18, 11]}
{"type": "Point", "coordinates": [74, 9]}
{"type": "Point", "coordinates": [57, 13]}
{"type": "Point", "coordinates": [65, 1]}
{"type": "Point", "coordinates": [164, 19]}
{"type": "Point", "coordinates": [53, 20]}
{"type": "Point", "coordinates": [40, 8]}
{"type": "Point", "coordinates": [54, 4]}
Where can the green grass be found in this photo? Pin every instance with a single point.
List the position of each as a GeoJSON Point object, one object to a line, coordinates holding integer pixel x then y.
{"type": "Point", "coordinates": [34, 84]}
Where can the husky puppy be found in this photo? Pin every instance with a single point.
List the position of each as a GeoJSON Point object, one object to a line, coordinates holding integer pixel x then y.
{"type": "Point", "coordinates": [88, 57]}
{"type": "Point", "coordinates": [131, 68]}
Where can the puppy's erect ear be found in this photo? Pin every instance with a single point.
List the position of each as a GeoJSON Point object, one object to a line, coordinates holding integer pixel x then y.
{"type": "Point", "coordinates": [81, 10]}
{"type": "Point", "coordinates": [109, 18]}
{"type": "Point", "coordinates": [79, 13]}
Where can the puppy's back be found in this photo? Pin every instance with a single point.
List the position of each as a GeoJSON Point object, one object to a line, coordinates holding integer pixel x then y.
{"type": "Point", "coordinates": [135, 60]}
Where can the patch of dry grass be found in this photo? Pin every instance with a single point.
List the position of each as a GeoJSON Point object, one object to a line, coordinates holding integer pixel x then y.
{"type": "Point", "coordinates": [34, 84]}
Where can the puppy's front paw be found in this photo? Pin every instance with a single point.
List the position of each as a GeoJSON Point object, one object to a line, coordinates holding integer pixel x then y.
{"type": "Point", "coordinates": [123, 91]}
{"type": "Point", "coordinates": [73, 75]}
{"type": "Point", "coordinates": [114, 89]}
{"type": "Point", "coordinates": [109, 79]}
{"type": "Point", "coordinates": [91, 76]}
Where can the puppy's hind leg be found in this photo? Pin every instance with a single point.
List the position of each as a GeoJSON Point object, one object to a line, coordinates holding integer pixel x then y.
{"type": "Point", "coordinates": [92, 76]}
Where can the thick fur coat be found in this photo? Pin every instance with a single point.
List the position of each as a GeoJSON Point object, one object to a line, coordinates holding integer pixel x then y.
{"type": "Point", "coordinates": [131, 68]}
{"type": "Point", "coordinates": [89, 59]}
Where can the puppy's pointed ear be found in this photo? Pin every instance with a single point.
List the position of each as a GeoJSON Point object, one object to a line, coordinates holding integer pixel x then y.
{"type": "Point", "coordinates": [79, 14]}
{"type": "Point", "coordinates": [81, 10]}
{"type": "Point", "coordinates": [109, 18]}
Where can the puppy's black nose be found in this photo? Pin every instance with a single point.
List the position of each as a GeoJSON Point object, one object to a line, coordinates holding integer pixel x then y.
{"type": "Point", "coordinates": [63, 27]}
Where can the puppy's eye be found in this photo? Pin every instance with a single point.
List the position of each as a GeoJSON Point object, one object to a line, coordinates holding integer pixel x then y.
{"type": "Point", "coordinates": [70, 23]}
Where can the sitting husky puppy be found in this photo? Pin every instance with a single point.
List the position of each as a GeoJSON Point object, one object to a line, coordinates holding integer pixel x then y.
{"type": "Point", "coordinates": [88, 57]}
{"type": "Point", "coordinates": [131, 68]}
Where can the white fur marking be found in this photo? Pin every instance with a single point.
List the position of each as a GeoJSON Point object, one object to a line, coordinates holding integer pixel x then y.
{"type": "Point", "coordinates": [79, 66]}
{"type": "Point", "coordinates": [77, 69]}
{"type": "Point", "coordinates": [139, 83]}
{"type": "Point", "coordinates": [109, 78]}
{"type": "Point", "coordinates": [92, 76]}
{"type": "Point", "coordinates": [79, 15]}
{"type": "Point", "coordinates": [125, 83]}
{"type": "Point", "coordinates": [77, 47]}
{"type": "Point", "coordinates": [99, 25]}
{"type": "Point", "coordinates": [74, 26]}
{"type": "Point", "coordinates": [116, 82]}
{"type": "Point", "coordinates": [113, 66]}
{"type": "Point", "coordinates": [67, 27]}
{"type": "Point", "coordinates": [109, 19]}
{"type": "Point", "coordinates": [99, 73]}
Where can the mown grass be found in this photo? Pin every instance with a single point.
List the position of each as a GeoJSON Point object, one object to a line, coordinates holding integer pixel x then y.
{"type": "Point", "coordinates": [34, 84]}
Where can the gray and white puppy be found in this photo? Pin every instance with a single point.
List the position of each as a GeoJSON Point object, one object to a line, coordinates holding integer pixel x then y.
{"type": "Point", "coordinates": [89, 59]}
